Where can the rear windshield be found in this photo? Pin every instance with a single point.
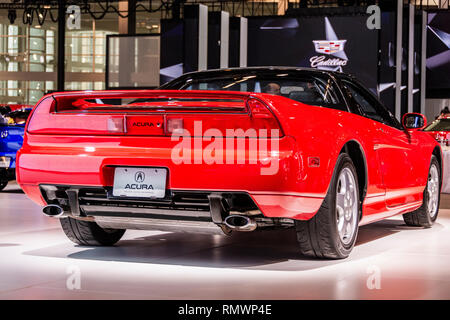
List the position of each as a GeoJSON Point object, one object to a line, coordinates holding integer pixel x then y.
{"type": "Point", "coordinates": [439, 125]}
{"type": "Point", "coordinates": [308, 90]}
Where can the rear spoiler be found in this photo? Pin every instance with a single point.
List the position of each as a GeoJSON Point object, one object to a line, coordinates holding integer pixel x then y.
{"type": "Point", "coordinates": [153, 101]}
{"type": "Point", "coordinates": [114, 112]}
{"type": "Point", "coordinates": [151, 93]}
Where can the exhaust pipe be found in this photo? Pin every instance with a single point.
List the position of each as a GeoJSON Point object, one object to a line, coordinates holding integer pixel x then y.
{"type": "Point", "coordinates": [53, 210]}
{"type": "Point", "coordinates": [240, 223]}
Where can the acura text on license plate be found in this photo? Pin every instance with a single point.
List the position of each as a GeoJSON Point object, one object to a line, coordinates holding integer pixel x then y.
{"type": "Point", "coordinates": [140, 182]}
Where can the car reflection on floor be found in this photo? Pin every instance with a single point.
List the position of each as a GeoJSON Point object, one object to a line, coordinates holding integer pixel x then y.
{"type": "Point", "coordinates": [390, 261]}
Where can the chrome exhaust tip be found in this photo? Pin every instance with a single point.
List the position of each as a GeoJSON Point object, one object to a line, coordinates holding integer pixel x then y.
{"type": "Point", "coordinates": [53, 210]}
{"type": "Point", "coordinates": [240, 223]}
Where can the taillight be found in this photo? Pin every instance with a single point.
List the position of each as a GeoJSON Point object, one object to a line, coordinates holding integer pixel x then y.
{"type": "Point", "coordinates": [259, 109]}
{"type": "Point", "coordinates": [263, 118]}
{"type": "Point", "coordinates": [44, 120]}
{"type": "Point", "coordinates": [174, 125]}
{"type": "Point", "coordinates": [257, 122]}
{"type": "Point", "coordinates": [116, 124]}
{"type": "Point", "coordinates": [39, 118]}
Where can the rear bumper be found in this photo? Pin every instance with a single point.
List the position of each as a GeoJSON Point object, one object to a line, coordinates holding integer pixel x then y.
{"type": "Point", "coordinates": [90, 161]}
{"type": "Point", "coordinates": [201, 211]}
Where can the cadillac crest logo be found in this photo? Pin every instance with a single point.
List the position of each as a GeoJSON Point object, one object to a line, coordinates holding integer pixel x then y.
{"type": "Point", "coordinates": [332, 59]}
{"type": "Point", "coordinates": [329, 47]}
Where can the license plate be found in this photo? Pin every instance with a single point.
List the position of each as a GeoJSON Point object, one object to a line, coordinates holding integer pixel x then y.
{"type": "Point", "coordinates": [140, 182]}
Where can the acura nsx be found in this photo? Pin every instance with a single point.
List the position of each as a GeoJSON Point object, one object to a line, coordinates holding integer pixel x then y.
{"type": "Point", "coordinates": [232, 150]}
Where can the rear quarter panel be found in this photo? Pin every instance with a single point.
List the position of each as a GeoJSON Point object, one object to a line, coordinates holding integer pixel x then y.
{"type": "Point", "coordinates": [323, 132]}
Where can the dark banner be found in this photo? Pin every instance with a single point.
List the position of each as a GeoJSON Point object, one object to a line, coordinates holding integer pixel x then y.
{"type": "Point", "coordinates": [221, 310]}
{"type": "Point", "coordinates": [333, 43]}
{"type": "Point", "coordinates": [405, 47]}
{"type": "Point", "coordinates": [386, 87]}
{"type": "Point", "coordinates": [438, 55]}
{"type": "Point", "coordinates": [172, 50]}
{"type": "Point", "coordinates": [417, 61]}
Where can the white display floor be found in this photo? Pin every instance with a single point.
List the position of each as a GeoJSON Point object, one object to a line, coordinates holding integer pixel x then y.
{"type": "Point", "coordinates": [38, 262]}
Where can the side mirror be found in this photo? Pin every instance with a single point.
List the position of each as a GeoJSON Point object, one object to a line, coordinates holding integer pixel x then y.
{"type": "Point", "coordinates": [414, 121]}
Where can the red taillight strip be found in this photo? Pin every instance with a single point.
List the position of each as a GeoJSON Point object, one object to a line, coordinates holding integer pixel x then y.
{"type": "Point", "coordinates": [263, 113]}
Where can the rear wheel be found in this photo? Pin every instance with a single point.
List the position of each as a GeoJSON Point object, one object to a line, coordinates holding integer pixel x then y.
{"type": "Point", "coordinates": [89, 233]}
{"type": "Point", "coordinates": [332, 232]}
{"type": "Point", "coordinates": [427, 214]}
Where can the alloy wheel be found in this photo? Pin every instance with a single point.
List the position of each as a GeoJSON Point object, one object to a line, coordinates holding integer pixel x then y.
{"type": "Point", "coordinates": [346, 205]}
{"type": "Point", "coordinates": [433, 191]}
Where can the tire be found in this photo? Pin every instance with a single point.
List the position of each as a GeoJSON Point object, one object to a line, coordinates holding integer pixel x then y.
{"type": "Point", "coordinates": [88, 233]}
{"type": "Point", "coordinates": [427, 214]}
{"type": "Point", "coordinates": [3, 184]}
{"type": "Point", "coordinates": [320, 237]}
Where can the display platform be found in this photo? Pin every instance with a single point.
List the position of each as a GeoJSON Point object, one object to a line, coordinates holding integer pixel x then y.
{"type": "Point", "coordinates": [390, 261]}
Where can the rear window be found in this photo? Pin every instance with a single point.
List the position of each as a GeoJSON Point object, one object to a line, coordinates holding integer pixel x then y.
{"type": "Point", "coordinates": [313, 91]}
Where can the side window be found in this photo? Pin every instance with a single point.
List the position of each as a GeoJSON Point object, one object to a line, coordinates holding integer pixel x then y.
{"type": "Point", "coordinates": [314, 91]}
{"type": "Point", "coordinates": [369, 106]}
{"type": "Point", "coordinates": [328, 91]}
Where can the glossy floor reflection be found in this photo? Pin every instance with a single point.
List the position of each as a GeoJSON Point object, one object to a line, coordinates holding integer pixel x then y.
{"type": "Point", "coordinates": [38, 262]}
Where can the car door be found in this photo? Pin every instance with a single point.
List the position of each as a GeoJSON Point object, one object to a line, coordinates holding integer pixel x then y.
{"type": "Point", "coordinates": [394, 148]}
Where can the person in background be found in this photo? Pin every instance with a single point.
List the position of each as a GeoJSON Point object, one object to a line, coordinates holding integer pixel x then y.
{"type": "Point", "coordinates": [5, 109]}
{"type": "Point", "coordinates": [272, 88]}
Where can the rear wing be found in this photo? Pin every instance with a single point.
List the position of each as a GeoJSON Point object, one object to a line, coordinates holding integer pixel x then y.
{"type": "Point", "coordinates": [149, 101]}
{"type": "Point", "coordinates": [147, 113]}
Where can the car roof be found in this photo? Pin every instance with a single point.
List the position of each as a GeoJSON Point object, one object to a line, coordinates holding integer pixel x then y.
{"type": "Point", "coordinates": [256, 70]}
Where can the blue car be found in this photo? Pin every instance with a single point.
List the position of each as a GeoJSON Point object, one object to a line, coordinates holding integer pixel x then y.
{"type": "Point", "coordinates": [12, 127]}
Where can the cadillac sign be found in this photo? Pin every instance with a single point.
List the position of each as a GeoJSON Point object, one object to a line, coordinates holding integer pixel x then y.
{"type": "Point", "coordinates": [329, 48]}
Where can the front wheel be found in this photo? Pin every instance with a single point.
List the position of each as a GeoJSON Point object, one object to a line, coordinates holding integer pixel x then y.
{"type": "Point", "coordinates": [427, 214]}
{"type": "Point", "coordinates": [332, 232]}
{"type": "Point", "coordinates": [89, 233]}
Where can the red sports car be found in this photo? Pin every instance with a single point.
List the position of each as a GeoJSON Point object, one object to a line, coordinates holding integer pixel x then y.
{"type": "Point", "coordinates": [230, 151]}
{"type": "Point", "coordinates": [439, 129]}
